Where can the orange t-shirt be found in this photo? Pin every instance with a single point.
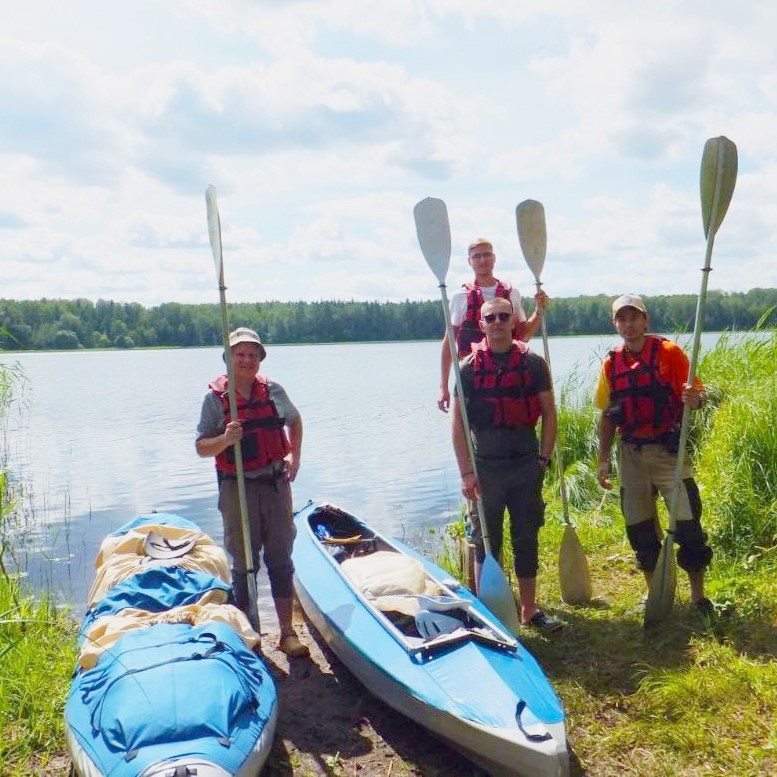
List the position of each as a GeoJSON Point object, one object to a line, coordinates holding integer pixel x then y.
{"type": "Point", "coordinates": [672, 365]}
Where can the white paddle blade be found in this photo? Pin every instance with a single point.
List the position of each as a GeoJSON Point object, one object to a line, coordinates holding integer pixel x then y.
{"type": "Point", "coordinates": [495, 592]}
{"type": "Point", "coordinates": [214, 227]}
{"type": "Point", "coordinates": [434, 235]}
{"type": "Point", "coordinates": [532, 234]}
{"type": "Point", "coordinates": [718, 178]}
{"type": "Point", "coordinates": [574, 576]}
{"type": "Point", "coordinates": [662, 588]}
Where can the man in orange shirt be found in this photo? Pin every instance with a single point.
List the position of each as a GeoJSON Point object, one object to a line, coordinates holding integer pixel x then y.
{"type": "Point", "coordinates": [641, 392]}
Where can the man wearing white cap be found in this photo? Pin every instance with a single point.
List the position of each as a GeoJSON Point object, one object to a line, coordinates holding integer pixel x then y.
{"type": "Point", "coordinates": [641, 392]}
{"type": "Point", "coordinates": [269, 430]}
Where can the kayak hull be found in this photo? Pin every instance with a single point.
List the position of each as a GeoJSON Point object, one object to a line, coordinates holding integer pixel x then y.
{"type": "Point", "coordinates": [487, 697]}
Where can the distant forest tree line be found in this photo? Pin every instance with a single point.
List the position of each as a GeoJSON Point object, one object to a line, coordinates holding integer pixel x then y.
{"type": "Point", "coordinates": [56, 324]}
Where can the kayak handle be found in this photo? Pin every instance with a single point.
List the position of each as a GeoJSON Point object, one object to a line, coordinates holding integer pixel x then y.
{"type": "Point", "coordinates": [531, 737]}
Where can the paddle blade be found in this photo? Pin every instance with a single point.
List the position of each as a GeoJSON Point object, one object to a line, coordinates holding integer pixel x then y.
{"type": "Point", "coordinates": [718, 178]}
{"type": "Point", "coordinates": [661, 595]}
{"type": "Point", "coordinates": [495, 592]}
{"type": "Point", "coordinates": [214, 227]}
{"type": "Point", "coordinates": [574, 576]}
{"type": "Point", "coordinates": [532, 234]}
{"type": "Point", "coordinates": [434, 235]}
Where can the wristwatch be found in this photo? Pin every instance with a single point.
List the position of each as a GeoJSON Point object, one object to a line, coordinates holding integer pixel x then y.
{"type": "Point", "coordinates": [544, 460]}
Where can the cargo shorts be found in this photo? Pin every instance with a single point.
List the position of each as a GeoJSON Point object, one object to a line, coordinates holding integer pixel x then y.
{"type": "Point", "coordinates": [645, 472]}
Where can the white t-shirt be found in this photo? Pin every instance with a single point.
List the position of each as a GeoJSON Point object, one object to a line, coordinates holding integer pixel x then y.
{"type": "Point", "coordinates": [458, 303]}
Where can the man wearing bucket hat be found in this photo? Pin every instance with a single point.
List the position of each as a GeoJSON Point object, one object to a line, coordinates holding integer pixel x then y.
{"type": "Point", "coordinates": [641, 392]}
{"type": "Point", "coordinates": [269, 431]}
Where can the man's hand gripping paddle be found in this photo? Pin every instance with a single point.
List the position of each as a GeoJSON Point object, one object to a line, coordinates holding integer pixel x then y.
{"type": "Point", "coordinates": [574, 576]}
{"type": "Point", "coordinates": [214, 230]}
{"type": "Point", "coordinates": [718, 178]}
{"type": "Point", "coordinates": [434, 237]}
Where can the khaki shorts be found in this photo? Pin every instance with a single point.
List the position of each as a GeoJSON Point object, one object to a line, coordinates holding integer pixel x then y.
{"type": "Point", "coordinates": [645, 472]}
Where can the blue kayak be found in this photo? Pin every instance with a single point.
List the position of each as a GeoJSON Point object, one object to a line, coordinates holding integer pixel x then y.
{"type": "Point", "coordinates": [169, 698]}
{"type": "Point", "coordinates": [422, 643]}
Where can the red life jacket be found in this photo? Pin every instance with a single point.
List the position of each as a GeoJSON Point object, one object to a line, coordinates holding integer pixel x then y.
{"type": "Point", "coordinates": [506, 394]}
{"type": "Point", "coordinates": [649, 406]}
{"type": "Point", "coordinates": [264, 440]}
{"type": "Point", "coordinates": [470, 334]}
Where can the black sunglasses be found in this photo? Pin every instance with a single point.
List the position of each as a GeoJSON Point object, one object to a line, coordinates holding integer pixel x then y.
{"type": "Point", "coordinates": [503, 317]}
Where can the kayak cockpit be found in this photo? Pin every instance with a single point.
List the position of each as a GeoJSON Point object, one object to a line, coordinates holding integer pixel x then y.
{"type": "Point", "coordinates": [425, 614]}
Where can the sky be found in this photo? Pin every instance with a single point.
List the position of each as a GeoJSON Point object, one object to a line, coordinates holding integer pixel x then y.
{"type": "Point", "coordinates": [322, 122]}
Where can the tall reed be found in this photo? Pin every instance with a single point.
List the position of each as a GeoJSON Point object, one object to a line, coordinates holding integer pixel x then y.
{"type": "Point", "coordinates": [737, 458]}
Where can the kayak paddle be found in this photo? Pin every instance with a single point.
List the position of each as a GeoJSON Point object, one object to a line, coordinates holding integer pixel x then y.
{"type": "Point", "coordinates": [574, 576]}
{"type": "Point", "coordinates": [434, 237]}
{"type": "Point", "coordinates": [214, 230]}
{"type": "Point", "coordinates": [718, 178]}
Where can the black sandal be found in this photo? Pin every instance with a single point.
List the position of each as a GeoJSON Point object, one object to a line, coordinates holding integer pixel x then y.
{"type": "Point", "coordinates": [544, 622]}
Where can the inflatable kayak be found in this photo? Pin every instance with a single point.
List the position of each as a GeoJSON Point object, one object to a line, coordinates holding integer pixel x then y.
{"type": "Point", "coordinates": [167, 682]}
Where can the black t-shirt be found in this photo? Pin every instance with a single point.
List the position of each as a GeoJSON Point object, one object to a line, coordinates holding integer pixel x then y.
{"type": "Point", "coordinates": [502, 442]}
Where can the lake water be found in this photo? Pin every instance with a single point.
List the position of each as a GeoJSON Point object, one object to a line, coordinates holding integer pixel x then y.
{"type": "Point", "coordinates": [97, 437]}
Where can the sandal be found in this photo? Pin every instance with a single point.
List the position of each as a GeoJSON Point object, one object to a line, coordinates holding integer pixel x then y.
{"type": "Point", "coordinates": [706, 609]}
{"type": "Point", "coordinates": [292, 647]}
{"type": "Point", "coordinates": [544, 622]}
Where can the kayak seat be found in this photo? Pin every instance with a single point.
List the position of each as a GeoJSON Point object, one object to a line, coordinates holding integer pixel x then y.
{"type": "Point", "coordinates": [388, 573]}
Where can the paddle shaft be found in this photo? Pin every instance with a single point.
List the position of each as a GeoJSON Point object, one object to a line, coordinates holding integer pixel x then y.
{"type": "Point", "coordinates": [239, 472]}
{"type": "Point", "coordinates": [241, 483]}
{"type": "Point", "coordinates": [556, 447]}
{"type": "Point", "coordinates": [697, 329]}
{"type": "Point", "coordinates": [463, 412]}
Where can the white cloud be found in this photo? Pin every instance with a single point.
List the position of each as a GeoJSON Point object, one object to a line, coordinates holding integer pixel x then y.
{"type": "Point", "coordinates": [321, 125]}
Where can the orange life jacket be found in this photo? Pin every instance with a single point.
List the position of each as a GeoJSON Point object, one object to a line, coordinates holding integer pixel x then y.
{"type": "Point", "coordinates": [647, 407]}
{"type": "Point", "coordinates": [264, 440]}
{"type": "Point", "coordinates": [470, 333]}
{"type": "Point", "coordinates": [503, 394]}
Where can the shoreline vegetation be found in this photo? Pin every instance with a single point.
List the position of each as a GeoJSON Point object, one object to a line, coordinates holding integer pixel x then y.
{"type": "Point", "coordinates": [58, 324]}
{"type": "Point", "coordinates": [685, 698]}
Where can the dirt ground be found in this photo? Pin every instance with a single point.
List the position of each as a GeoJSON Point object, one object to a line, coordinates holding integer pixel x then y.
{"type": "Point", "coordinates": [329, 724]}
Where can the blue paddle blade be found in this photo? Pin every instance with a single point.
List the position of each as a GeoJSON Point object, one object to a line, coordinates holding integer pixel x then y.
{"type": "Point", "coordinates": [495, 592]}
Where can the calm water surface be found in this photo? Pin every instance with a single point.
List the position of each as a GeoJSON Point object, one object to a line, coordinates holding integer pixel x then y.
{"type": "Point", "coordinates": [97, 437]}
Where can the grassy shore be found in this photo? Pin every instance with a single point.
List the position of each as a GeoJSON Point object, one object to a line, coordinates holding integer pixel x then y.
{"type": "Point", "coordinates": [685, 698]}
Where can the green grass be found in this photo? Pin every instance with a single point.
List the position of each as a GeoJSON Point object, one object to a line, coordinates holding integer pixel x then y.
{"type": "Point", "coordinates": [37, 656]}
{"type": "Point", "coordinates": [682, 699]}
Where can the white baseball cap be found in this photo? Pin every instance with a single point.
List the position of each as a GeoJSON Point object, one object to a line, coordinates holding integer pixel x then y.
{"type": "Point", "coordinates": [629, 301]}
{"type": "Point", "coordinates": [245, 335]}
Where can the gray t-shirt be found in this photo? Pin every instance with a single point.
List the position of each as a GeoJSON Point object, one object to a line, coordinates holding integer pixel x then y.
{"type": "Point", "coordinates": [213, 419]}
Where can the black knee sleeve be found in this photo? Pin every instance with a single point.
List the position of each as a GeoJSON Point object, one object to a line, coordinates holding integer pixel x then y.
{"type": "Point", "coordinates": [694, 553]}
{"type": "Point", "coordinates": [644, 542]}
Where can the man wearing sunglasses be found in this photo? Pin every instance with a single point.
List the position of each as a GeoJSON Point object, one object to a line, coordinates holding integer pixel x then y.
{"type": "Point", "coordinates": [507, 390]}
{"type": "Point", "coordinates": [465, 305]}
